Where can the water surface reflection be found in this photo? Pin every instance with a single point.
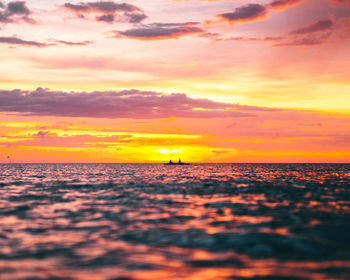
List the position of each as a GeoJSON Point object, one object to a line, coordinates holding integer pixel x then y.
{"type": "Point", "coordinates": [149, 221]}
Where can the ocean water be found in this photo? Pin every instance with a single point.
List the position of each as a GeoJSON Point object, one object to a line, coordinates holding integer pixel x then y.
{"type": "Point", "coordinates": [150, 221]}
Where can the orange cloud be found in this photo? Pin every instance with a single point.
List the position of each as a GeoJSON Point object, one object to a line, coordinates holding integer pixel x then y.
{"type": "Point", "coordinates": [250, 12]}
{"type": "Point", "coordinates": [283, 4]}
{"type": "Point", "coordinates": [254, 12]}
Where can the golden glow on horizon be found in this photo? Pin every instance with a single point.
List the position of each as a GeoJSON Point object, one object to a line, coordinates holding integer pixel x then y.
{"type": "Point", "coordinates": [170, 152]}
{"type": "Point", "coordinates": [41, 139]}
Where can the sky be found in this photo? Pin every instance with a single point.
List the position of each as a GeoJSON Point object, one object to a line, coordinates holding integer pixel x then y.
{"type": "Point", "coordinates": [153, 80]}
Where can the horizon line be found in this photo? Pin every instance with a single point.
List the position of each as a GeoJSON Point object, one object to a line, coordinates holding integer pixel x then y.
{"type": "Point", "coordinates": [8, 163]}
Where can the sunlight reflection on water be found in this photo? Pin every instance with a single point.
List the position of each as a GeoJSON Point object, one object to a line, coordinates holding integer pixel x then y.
{"type": "Point", "coordinates": [150, 221]}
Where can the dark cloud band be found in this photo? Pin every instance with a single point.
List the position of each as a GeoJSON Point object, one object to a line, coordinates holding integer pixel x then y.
{"type": "Point", "coordinates": [18, 41]}
{"type": "Point", "coordinates": [121, 104]}
{"type": "Point", "coordinates": [157, 31]}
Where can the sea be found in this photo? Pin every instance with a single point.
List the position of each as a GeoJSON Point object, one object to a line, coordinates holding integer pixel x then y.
{"type": "Point", "coordinates": [152, 221]}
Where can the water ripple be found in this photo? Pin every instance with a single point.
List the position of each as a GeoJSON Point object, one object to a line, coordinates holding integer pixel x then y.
{"type": "Point", "coordinates": [150, 221]}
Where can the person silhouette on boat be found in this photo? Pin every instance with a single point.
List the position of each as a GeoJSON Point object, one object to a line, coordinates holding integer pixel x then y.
{"type": "Point", "coordinates": [176, 163]}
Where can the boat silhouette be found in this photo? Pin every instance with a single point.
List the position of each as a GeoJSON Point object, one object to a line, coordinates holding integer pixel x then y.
{"type": "Point", "coordinates": [176, 163]}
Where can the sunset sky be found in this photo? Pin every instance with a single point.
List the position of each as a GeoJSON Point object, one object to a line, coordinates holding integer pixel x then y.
{"type": "Point", "coordinates": [150, 80]}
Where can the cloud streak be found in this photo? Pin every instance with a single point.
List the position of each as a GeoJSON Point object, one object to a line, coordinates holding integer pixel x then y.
{"type": "Point", "coordinates": [310, 35]}
{"type": "Point", "coordinates": [69, 43]}
{"type": "Point", "coordinates": [321, 25]}
{"type": "Point", "coordinates": [283, 4]}
{"type": "Point", "coordinates": [309, 40]}
{"type": "Point", "coordinates": [159, 31]}
{"type": "Point", "coordinates": [217, 37]}
{"type": "Point", "coordinates": [18, 41]}
{"type": "Point", "coordinates": [21, 42]}
{"type": "Point", "coordinates": [118, 104]}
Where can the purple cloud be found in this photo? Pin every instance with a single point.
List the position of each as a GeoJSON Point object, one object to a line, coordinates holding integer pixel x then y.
{"type": "Point", "coordinates": [158, 31]}
{"type": "Point", "coordinates": [318, 26]}
{"type": "Point", "coordinates": [14, 11]}
{"type": "Point", "coordinates": [107, 11]}
{"type": "Point", "coordinates": [106, 6]}
{"type": "Point", "coordinates": [249, 12]}
{"type": "Point", "coordinates": [118, 104]}
{"type": "Point", "coordinates": [106, 18]}
{"type": "Point", "coordinates": [18, 8]}
{"type": "Point", "coordinates": [306, 41]}
{"type": "Point", "coordinates": [43, 134]}
{"type": "Point", "coordinates": [253, 12]}
{"type": "Point", "coordinates": [18, 41]}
